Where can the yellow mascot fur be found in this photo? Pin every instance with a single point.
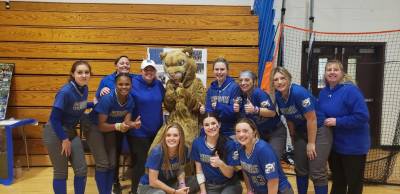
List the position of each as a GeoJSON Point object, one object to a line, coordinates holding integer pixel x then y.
{"type": "Point", "coordinates": [184, 93]}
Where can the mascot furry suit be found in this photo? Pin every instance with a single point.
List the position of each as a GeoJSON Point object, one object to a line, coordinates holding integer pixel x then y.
{"type": "Point", "coordinates": [184, 93]}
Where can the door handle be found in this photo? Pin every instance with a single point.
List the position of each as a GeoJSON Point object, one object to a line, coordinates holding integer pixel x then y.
{"type": "Point", "coordinates": [369, 100]}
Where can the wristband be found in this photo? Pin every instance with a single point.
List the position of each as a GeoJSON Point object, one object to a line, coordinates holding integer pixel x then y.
{"type": "Point", "coordinates": [256, 110]}
{"type": "Point", "coordinates": [200, 178]}
{"type": "Point", "coordinates": [118, 126]}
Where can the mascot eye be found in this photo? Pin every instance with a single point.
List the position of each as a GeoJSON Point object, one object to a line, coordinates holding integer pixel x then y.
{"type": "Point", "coordinates": [181, 62]}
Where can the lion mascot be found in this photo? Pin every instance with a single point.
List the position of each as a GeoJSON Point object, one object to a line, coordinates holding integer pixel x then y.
{"type": "Point", "coordinates": [184, 93]}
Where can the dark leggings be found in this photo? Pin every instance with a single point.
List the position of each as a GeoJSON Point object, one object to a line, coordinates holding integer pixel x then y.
{"type": "Point", "coordinates": [139, 147]}
{"type": "Point", "coordinates": [347, 173]}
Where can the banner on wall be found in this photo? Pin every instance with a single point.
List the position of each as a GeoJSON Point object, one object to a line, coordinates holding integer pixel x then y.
{"type": "Point", "coordinates": [199, 55]}
{"type": "Point", "coordinates": [6, 71]}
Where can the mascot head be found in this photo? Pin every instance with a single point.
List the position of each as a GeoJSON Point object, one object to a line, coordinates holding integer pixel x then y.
{"type": "Point", "coordinates": [180, 66]}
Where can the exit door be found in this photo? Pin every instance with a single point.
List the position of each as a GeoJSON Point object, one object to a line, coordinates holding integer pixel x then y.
{"type": "Point", "coordinates": [364, 62]}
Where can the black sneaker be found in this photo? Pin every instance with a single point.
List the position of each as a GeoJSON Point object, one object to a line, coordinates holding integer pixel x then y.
{"type": "Point", "coordinates": [117, 188]}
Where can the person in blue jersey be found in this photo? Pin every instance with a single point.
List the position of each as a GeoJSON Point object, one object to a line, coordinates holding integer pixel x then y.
{"type": "Point", "coordinates": [148, 93]}
{"type": "Point", "coordinates": [341, 107]}
{"type": "Point", "coordinates": [220, 97]}
{"type": "Point", "coordinates": [260, 166]}
{"type": "Point", "coordinates": [312, 142]}
{"type": "Point", "coordinates": [215, 157]}
{"type": "Point", "coordinates": [256, 104]}
{"type": "Point", "coordinates": [106, 86]}
{"type": "Point", "coordinates": [112, 113]}
{"type": "Point", "coordinates": [165, 165]}
{"type": "Point", "coordinates": [60, 134]}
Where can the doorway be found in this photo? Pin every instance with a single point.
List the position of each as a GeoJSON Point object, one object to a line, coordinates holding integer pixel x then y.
{"type": "Point", "coordinates": [363, 61]}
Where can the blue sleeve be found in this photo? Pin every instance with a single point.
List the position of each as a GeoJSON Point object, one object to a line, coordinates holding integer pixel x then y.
{"type": "Point", "coordinates": [154, 159]}
{"type": "Point", "coordinates": [226, 110]}
{"type": "Point", "coordinates": [266, 102]}
{"type": "Point", "coordinates": [233, 154]}
{"type": "Point", "coordinates": [194, 154]}
{"type": "Point", "coordinates": [304, 101]}
{"type": "Point", "coordinates": [103, 106]}
{"type": "Point", "coordinates": [268, 163]}
{"type": "Point", "coordinates": [356, 107]}
{"type": "Point", "coordinates": [55, 120]}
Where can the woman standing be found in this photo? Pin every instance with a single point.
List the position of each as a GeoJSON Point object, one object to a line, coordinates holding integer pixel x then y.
{"type": "Point", "coordinates": [106, 86]}
{"type": "Point", "coordinates": [165, 165]}
{"type": "Point", "coordinates": [261, 168]}
{"type": "Point", "coordinates": [215, 157]}
{"type": "Point", "coordinates": [220, 97]}
{"type": "Point", "coordinates": [311, 145]}
{"type": "Point", "coordinates": [341, 107]}
{"type": "Point", "coordinates": [112, 113]}
{"type": "Point", "coordinates": [256, 105]}
{"type": "Point", "coordinates": [148, 93]}
{"type": "Point", "coordinates": [60, 135]}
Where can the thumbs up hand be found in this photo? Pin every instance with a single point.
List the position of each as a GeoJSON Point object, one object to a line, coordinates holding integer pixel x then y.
{"type": "Point", "coordinates": [249, 107]}
{"type": "Point", "coordinates": [202, 108]}
{"type": "Point", "coordinates": [215, 161]}
{"type": "Point", "coordinates": [137, 123]}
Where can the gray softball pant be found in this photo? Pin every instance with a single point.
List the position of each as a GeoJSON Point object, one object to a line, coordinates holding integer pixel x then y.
{"type": "Point", "coordinates": [191, 182]}
{"type": "Point", "coordinates": [277, 139]}
{"type": "Point", "coordinates": [59, 161]}
{"type": "Point", "coordinates": [102, 145]}
{"type": "Point", "coordinates": [231, 186]}
{"type": "Point", "coordinates": [316, 169]}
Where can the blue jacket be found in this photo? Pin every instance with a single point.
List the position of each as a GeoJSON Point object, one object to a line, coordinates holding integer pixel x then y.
{"type": "Point", "coordinates": [148, 104]}
{"type": "Point", "coordinates": [346, 103]}
{"type": "Point", "coordinates": [225, 96]}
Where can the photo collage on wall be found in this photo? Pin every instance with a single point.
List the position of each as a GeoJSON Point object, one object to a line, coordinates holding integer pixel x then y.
{"type": "Point", "coordinates": [6, 71]}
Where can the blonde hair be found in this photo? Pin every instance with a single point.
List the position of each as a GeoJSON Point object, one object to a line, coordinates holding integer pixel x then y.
{"type": "Point", "coordinates": [346, 77]}
{"type": "Point", "coordinates": [282, 71]}
{"type": "Point", "coordinates": [181, 147]}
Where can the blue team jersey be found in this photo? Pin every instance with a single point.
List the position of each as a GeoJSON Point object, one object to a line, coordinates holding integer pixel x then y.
{"type": "Point", "coordinates": [299, 102]}
{"type": "Point", "coordinates": [109, 105]}
{"type": "Point", "coordinates": [224, 96]}
{"type": "Point", "coordinates": [109, 82]}
{"type": "Point", "coordinates": [72, 102]}
{"type": "Point", "coordinates": [261, 166]}
{"type": "Point", "coordinates": [154, 161]}
{"type": "Point", "coordinates": [202, 153]}
{"type": "Point", "coordinates": [260, 99]}
{"type": "Point", "coordinates": [346, 103]}
{"type": "Point", "coordinates": [148, 104]}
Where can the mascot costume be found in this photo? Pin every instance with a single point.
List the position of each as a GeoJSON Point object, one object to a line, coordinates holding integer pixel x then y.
{"type": "Point", "coordinates": [184, 93]}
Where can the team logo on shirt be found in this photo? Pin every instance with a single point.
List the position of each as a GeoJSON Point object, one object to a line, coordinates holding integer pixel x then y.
{"type": "Point", "coordinates": [265, 104]}
{"type": "Point", "coordinates": [79, 106]}
{"type": "Point", "coordinates": [306, 102]}
{"type": "Point", "coordinates": [269, 168]}
{"type": "Point", "coordinates": [235, 155]}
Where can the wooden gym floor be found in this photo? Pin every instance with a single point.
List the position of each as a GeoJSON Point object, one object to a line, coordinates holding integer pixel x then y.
{"type": "Point", "coordinates": [39, 180]}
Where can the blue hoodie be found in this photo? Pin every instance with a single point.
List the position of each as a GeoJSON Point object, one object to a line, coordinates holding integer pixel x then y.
{"type": "Point", "coordinates": [346, 103]}
{"type": "Point", "coordinates": [148, 99]}
{"type": "Point", "coordinates": [225, 96]}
